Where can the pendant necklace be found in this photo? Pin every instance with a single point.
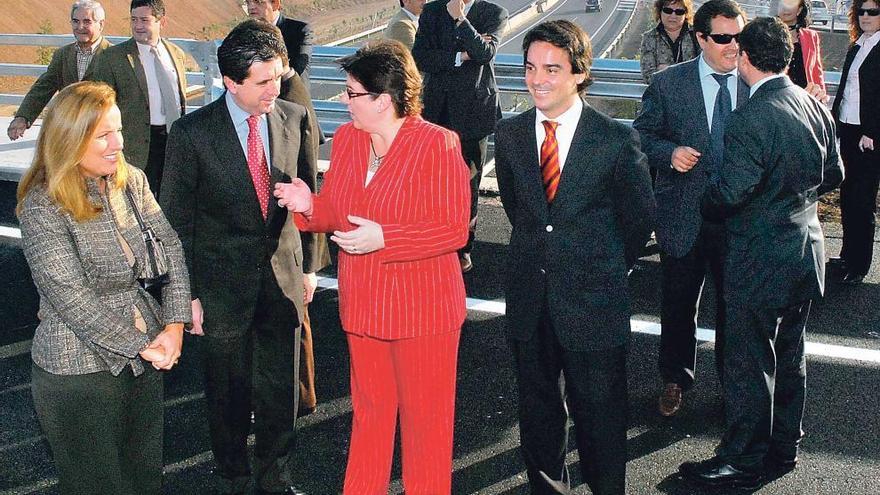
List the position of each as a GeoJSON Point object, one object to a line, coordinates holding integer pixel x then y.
{"type": "Point", "coordinates": [376, 161]}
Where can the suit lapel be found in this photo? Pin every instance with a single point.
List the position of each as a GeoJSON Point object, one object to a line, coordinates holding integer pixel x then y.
{"type": "Point", "coordinates": [527, 164]}
{"type": "Point", "coordinates": [576, 162]}
{"type": "Point", "coordinates": [134, 61]}
{"type": "Point", "coordinates": [693, 86]}
{"type": "Point", "coordinates": [742, 92]}
{"type": "Point", "coordinates": [69, 65]}
{"type": "Point", "coordinates": [283, 161]}
{"type": "Point", "coordinates": [180, 68]}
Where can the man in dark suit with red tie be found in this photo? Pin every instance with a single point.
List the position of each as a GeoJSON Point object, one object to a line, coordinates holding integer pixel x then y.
{"type": "Point", "coordinates": [244, 255]}
{"type": "Point", "coordinates": [577, 192]}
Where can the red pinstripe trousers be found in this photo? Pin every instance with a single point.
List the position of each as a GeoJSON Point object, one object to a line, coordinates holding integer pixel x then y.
{"type": "Point", "coordinates": [415, 377]}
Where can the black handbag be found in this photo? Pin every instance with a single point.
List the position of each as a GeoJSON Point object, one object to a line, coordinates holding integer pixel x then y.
{"type": "Point", "coordinates": [154, 274]}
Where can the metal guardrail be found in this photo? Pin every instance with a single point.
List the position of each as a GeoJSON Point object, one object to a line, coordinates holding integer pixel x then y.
{"type": "Point", "coordinates": [613, 78]}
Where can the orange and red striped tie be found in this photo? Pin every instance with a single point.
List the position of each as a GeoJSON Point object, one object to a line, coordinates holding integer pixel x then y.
{"type": "Point", "coordinates": [550, 160]}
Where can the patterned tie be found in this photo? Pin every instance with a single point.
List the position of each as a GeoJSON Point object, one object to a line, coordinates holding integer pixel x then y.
{"type": "Point", "coordinates": [550, 160]}
{"type": "Point", "coordinates": [170, 108]}
{"type": "Point", "coordinates": [719, 118]}
{"type": "Point", "coordinates": [256, 159]}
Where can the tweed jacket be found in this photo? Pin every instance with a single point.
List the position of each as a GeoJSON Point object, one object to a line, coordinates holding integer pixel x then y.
{"type": "Point", "coordinates": [60, 73]}
{"type": "Point", "coordinates": [120, 67]}
{"type": "Point", "coordinates": [402, 28]}
{"type": "Point", "coordinates": [88, 290]}
{"type": "Point", "coordinates": [655, 51]}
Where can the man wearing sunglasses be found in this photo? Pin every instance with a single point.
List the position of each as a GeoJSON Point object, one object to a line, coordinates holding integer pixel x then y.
{"type": "Point", "coordinates": [780, 155]}
{"type": "Point", "coordinates": [681, 127]}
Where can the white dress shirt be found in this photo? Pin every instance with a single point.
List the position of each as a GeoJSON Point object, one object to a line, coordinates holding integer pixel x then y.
{"type": "Point", "coordinates": [710, 88]}
{"type": "Point", "coordinates": [155, 96]}
{"type": "Point", "coordinates": [568, 122]}
{"type": "Point", "coordinates": [761, 83]}
{"type": "Point", "coordinates": [849, 104]}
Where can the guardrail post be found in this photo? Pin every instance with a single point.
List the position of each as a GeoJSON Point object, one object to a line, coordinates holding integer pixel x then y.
{"type": "Point", "coordinates": [205, 53]}
{"type": "Point", "coordinates": [539, 5]}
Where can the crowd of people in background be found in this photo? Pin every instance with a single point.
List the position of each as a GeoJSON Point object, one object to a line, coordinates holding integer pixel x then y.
{"type": "Point", "coordinates": [141, 221]}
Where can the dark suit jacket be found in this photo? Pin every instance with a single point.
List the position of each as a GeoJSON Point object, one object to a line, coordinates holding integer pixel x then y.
{"type": "Point", "coordinates": [298, 38]}
{"type": "Point", "coordinates": [574, 255]}
{"type": "Point", "coordinates": [466, 96]}
{"type": "Point", "coordinates": [209, 198]}
{"type": "Point", "coordinates": [60, 73]}
{"type": "Point", "coordinates": [315, 251]}
{"type": "Point", "coordinates": [673, 114]}
{"type": "Point", "coordinates": [869, 91]}
{"type": "Point", "coordinates": [120, 67]}
{"type": "Point", "coordinates": [780, 154]}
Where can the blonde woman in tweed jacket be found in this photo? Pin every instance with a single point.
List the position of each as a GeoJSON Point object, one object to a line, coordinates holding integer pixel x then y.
{"type": "Point", "coordinates": [101, 338]}
{"type": "Point", "coordinates": [671, 41]}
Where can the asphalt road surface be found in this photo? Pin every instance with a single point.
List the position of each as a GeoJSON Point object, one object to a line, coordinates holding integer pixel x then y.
{"type": "Point", "coordinates": [840, 454]}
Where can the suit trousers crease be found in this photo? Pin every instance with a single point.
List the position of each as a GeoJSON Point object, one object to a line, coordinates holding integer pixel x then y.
{"type": "Point", "coordinates": [682, 281]}
{"type": "Point", "coordinates": [591, 385]}
{"type": "Point", "coordinates": [765, 385]}
{"type": "Point", "coordinates": [255, 372]}
{"type": "Point", "coordinates": [105, 431]}
{"type": "Point", "coordinates": [858, 199]}
{"type": "Point", "coordinates": [414, 378]}
{"type": "Point", "coordinates": [156, 157]}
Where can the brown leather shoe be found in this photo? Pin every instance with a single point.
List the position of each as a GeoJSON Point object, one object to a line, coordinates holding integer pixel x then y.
{"type": "Point", "coordinates": [670, 400]}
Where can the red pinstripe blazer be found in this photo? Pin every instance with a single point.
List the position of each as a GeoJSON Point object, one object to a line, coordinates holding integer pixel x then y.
{"type": "Point", "coordinates": [812, 55]}
{"type": "Point", "coordinates": [421, 197]}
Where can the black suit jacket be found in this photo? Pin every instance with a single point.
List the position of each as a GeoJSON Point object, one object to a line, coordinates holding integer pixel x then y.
{"type": "Point", "coordinates": [673, 114]}
{"type": "Point", "coordinates": [869, 91]}
{"type": "Point", "coordinates": [465, 98]}
{"type": "Point", "coordinates": [574, 256]}
{"type": "Point", "coordinates": [209, 198]}
{"type": "Point", "coordinates": [299, 39]}
{"type": "Point", "coordinates": [780, 154]}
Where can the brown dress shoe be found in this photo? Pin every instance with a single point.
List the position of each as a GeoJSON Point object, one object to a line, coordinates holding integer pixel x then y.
{"type": "Point", "coordinates": [670, 400]}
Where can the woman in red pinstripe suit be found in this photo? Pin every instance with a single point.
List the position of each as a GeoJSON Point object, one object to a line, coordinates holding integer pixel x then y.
{"type": "Point", "coordinates": [396, 199]}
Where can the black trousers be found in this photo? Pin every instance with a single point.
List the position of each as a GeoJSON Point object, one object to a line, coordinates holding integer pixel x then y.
{"type": "Point", "coordinates": [682, 282]}
{"type": "Point", "coordinates": [595, 389]}
{"type": "Point", "coordinates": [255, 372]}
{"type": "Point", "coordinates": [156, 157]}
{"type": "Point", "coordinates": [474, 153]}
{"type": "Point", "coordinates": [765, 383]}
{"type": "Point", "coordinates": [858, 199]}
{"type": "Point", "coordinates": [105, 431]}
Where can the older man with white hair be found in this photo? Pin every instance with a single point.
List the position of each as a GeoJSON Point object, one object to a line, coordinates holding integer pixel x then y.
{"type": "Point", "coordinates": [68, 65]}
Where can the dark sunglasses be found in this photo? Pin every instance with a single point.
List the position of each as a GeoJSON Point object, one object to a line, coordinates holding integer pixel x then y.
{"type": "Point", "coordinates": [870, 12]}
{"type": "Point", "coordinates": [670, 11]}
{"type": "Point", "coordinates": [352, 95]}
{"type": "Point", "coordinates": [722, 39]}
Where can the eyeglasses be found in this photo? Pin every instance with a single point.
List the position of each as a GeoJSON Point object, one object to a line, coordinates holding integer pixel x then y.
{"type": "Point", "coordinates": [870, 12]}
{"type": "Point", "coordinates": [352, 94]}
{"type": "Point", "coordinates": [670, 11]}
{"type": "Point", "coordinates": [722, 39]}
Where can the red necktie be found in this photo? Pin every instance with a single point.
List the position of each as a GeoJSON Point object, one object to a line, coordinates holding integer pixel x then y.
{"type": "Point", "coordinates": [256, 159]}
{"type": "Point", "coordinates": [550, 160]}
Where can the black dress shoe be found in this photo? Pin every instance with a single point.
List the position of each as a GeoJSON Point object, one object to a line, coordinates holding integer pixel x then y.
{"type": "Point", "coordinates": [778, 466]}
{"type": "Point", "coordinates": [290, 490]}
{"type": "Point", "coordinates": [852, 279]}
{"type": "Point", "coordinates": [836, 262]}
{"type": "Point", "coordinates": [714, 472]}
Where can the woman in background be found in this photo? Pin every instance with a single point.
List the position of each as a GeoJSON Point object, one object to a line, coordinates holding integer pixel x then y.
{"type": "Point", "coordinates": [101, 337]}
{"type": "Point", "coordinates": [397, 200]}
{"type": "Point", "coordinates": [673, 39]}
{"type": "Point", "coordinates": [806, 62]}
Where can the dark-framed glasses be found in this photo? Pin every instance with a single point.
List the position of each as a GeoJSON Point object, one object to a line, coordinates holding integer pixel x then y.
{"type": "Point", "coordinates": [354, 94]}
{"type": "Point", "coordinates": [670, 11]}
{"type": "Point", "coordinates": [723, 39]}
{"type": "Point", "coordinates": [870, 12]}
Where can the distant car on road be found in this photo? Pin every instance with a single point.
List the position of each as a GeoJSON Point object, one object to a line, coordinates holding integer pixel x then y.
{"type": "Point", "coordinates": [820, 14]}
{"type": "Point", "coordinates": [593, 5]}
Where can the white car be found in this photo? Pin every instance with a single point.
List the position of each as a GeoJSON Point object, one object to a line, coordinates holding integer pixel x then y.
{"type": "Point", "coordinates": [820, 13]}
